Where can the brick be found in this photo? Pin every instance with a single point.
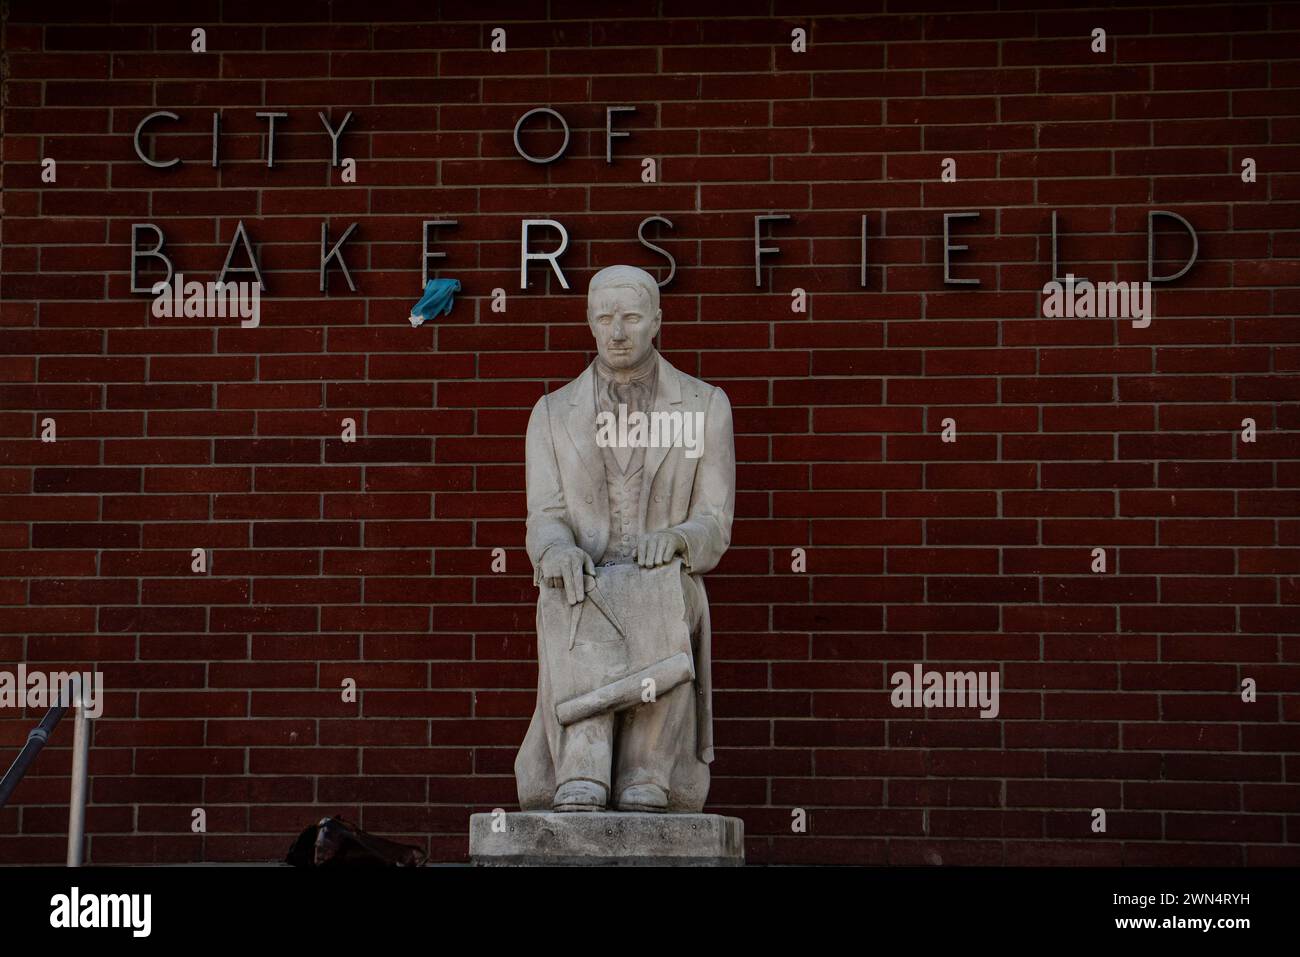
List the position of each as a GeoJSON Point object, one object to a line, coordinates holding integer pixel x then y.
{"type": "Point", "coordinates": [371, 559]}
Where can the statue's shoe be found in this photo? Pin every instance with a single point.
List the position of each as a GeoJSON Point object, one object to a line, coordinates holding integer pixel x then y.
{"type": "Point", "coordinates": [579, 796]}
{"type": "Point", "coordinates": [649, 798]}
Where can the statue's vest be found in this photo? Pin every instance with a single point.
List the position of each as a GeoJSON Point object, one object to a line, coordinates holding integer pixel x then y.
{"type": "Point", "coordinates": [624, 505]}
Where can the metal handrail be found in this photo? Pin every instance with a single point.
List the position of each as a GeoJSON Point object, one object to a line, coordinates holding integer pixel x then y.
{"type": "Point", "coordinates": [36, 740]}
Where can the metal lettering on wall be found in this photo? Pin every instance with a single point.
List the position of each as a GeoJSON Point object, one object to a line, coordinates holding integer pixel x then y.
{"type": "Point", "coordinates": [528, 225]}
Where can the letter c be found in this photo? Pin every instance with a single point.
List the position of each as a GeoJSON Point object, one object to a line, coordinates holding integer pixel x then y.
{"type": "Point", "coordinates": [140, 129]}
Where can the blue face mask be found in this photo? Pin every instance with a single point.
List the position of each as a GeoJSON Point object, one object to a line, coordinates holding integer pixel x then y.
{"type": "Point", "coordinates": [438, 299]}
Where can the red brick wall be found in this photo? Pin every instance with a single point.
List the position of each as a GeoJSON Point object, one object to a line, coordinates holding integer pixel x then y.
{"type": "Point", "coordinates": [372, 560]}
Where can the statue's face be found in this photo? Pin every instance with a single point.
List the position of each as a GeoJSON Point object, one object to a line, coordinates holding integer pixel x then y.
{"type": "Point", "coordinates": [620, 320]}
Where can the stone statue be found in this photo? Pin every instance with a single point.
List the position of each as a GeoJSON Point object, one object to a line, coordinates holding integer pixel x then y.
{"type": "Point", "coordinates": [631, 472]}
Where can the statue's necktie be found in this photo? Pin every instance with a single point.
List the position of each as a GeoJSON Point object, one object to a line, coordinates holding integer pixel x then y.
{"type": "Point", "coordinates": [634, 395]}
{"type": "Point", "coordinates": [631, 394]}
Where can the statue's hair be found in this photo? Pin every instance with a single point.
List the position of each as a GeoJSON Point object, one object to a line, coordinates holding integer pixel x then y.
{"type": "Point", "coordinates": [627, 276]}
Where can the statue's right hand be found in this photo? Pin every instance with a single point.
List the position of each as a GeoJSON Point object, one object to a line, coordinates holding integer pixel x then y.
{"type": "Point", "coordinates": [565, 565]}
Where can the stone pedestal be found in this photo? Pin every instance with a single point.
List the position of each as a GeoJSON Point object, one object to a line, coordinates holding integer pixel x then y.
{"type": "Point", "coordinates": [544, 838]}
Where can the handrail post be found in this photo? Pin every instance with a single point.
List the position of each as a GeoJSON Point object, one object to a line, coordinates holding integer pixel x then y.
{"type": "Point", "coordinates": [80, 774]}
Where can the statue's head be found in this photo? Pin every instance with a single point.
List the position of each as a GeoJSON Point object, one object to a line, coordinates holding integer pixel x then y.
{"type": "Point", "coordinates": [624, 315]}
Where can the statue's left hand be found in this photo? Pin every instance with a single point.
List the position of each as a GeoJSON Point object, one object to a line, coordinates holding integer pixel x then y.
{"type": "Point", "coordinates": [659, 548]}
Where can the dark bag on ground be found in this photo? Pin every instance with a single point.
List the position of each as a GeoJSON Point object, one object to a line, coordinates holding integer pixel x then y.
{"type": "Point", "coordinates": [335, 842]}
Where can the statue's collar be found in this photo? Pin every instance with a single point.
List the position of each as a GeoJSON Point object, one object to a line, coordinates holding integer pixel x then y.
{"type": "Point", "coordinates": [643, 371]}
{"type": "Point", "coordinates": [668, 388]}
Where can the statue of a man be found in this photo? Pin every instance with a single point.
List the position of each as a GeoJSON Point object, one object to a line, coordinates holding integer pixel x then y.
{"type": "Point", "coordinates": [622, 521]}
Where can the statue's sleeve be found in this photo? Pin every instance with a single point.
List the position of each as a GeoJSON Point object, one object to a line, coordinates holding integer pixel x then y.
{"type": "Point", "coordinates": [547, 515]}
{"type": "Point", "coordinates": [707, 529]}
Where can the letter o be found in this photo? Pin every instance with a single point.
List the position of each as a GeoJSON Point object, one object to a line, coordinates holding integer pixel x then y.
{"type": "Point", "coordinates": [554, 156]}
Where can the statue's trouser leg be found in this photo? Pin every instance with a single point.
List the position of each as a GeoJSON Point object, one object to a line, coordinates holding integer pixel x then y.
{"type": "Point", "coordinates": [586, 751]}
{"type": "Point", "coordinates": [654, 736]}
